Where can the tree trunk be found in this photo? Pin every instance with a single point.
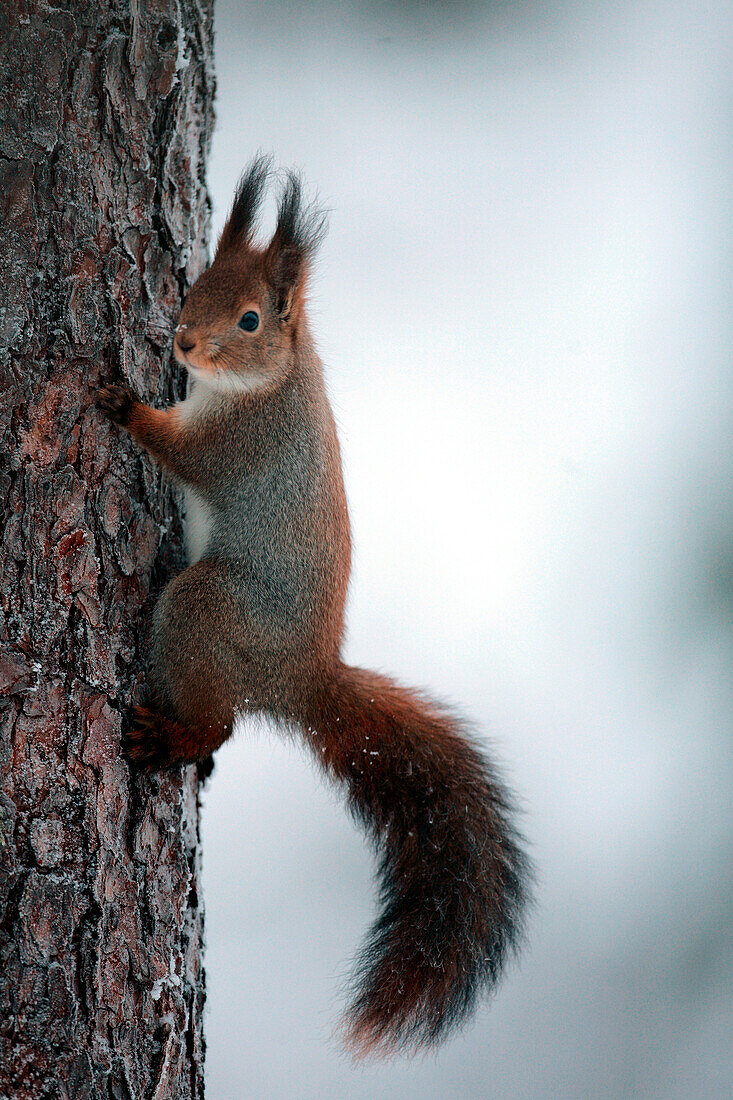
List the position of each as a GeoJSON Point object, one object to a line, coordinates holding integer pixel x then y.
{"type": "Point", "coordinates": [107, 112]}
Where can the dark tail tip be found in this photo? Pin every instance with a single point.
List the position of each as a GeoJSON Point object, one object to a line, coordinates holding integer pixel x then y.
{"type": "Point", "coordinates": [429, 958]}
{"type": "Point", "coordinates": [454, 879]}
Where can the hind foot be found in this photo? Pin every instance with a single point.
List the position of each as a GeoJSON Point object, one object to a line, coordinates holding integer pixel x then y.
{"type": "Point", "coordinates": [157, 742]}
{"type": "Point", "coordinates": [150, 743]}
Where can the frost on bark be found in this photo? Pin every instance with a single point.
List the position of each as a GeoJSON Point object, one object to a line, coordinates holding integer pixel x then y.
{"type": "Point", "coordinates": [105, 112]}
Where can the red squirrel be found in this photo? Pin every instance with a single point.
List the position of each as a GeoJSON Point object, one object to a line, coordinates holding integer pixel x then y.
{"type": "Point", "coordinates": [256, 622]}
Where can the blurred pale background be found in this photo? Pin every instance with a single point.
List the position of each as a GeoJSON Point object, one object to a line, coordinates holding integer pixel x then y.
{"type": "Point", "coordinates": [523, 309]}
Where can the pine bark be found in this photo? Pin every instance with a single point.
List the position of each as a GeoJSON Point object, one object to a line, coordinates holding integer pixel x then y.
{"type": "Point", "coordinates": [106, 112]}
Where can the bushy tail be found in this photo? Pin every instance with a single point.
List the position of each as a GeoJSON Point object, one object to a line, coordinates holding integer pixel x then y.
{"type": "Point", "coordinates": [453, 879]}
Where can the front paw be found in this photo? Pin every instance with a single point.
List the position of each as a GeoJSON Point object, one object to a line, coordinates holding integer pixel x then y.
{"type": "Point", "coordinates": [116, 401]}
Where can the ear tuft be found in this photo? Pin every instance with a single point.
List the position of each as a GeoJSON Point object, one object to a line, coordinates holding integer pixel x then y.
{"type": "Point", "coordinates": [300, 229]}
{"type": "Point", "coordinates": [299, 226]}
{"type": "Point", "coordinates": [247, 201]}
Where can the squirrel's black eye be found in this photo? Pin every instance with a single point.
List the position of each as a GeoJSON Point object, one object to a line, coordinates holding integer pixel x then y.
{"type": "Point", "coordinates": [249, 321]}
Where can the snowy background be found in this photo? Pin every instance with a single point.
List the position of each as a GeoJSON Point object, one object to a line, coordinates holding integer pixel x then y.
{"type": "Point", "coordinates": [523, 309]}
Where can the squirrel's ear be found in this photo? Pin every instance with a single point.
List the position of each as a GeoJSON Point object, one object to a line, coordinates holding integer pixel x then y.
{"type": "Point", "coordinates": [299, 231]}
{"type": "Point", "coordinates": [250, 189]}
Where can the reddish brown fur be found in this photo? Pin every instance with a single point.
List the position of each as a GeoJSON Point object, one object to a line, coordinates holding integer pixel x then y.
{"type": "Point", "coordinates": [155, 740]}
{"type": "Point", "coordinates": [257, 623]}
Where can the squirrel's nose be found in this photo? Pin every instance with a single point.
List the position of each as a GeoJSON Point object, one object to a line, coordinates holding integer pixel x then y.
{"type": "Point", "coordinates": [185, 341]}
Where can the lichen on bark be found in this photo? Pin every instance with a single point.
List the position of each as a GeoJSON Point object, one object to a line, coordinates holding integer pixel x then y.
{"type": "Point", "coordinates": [105, 118]}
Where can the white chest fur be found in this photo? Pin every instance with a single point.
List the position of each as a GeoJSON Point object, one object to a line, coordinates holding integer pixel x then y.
{"type": "Point", "coordinates": [200, 398]}
{"type": "Point", "coordinates": [199, 521]}
{"type": "Point", "coordinates": [199, 517]}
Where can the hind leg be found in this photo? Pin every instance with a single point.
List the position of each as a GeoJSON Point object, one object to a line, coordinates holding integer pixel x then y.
{"type": "Point", "coordinates": [197, 665]}
{"type": "Point", "coordinates": [157, 741]}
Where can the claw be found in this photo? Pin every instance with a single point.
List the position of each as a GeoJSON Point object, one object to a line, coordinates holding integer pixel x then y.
{"type": "Point", "coordinates": [116, 401]}
{"type": "Point", "coordinates": [143, 745]}
{"type": "Point", "coordinates": [205, 767]}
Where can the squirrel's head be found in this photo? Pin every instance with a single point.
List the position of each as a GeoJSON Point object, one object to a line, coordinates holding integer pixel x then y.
{"type": "Point", "coordinates": [242, 317]}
